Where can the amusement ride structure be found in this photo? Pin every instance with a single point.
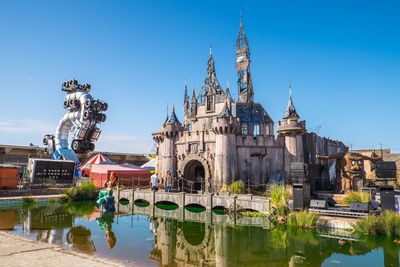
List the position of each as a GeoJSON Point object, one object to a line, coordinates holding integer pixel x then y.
{"type": "Point", "coordinates": [84, 113]}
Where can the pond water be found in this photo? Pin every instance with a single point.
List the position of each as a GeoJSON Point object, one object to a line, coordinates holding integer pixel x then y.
{"type": "Point", "coordinates": [173, 237]}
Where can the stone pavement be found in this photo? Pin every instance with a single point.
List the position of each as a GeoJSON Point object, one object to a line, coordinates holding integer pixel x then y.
{"type": "Point", "coordinates": [20, 251]}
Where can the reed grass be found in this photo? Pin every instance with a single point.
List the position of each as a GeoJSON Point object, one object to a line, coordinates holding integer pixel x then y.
{"type": "Point", "coordinates": [279, 199]}
{"type": "Point", "coordinates": [86, 191]}
{"type": "Point", "coordinates": [303, 219]}
{"type": "Point", "coordinates": [388, 223]}
{"type": "Point", "coordinates": [356, 197]}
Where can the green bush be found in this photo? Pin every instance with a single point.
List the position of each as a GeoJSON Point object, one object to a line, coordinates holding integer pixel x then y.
{"type": "Point", "coordinates": [237, 187]}
{"type": "Point", "coordinates": [388, 223]}
{"type": "Point", "coordinates": [279, 199]}
{"type": "Point", "coordinates": [28, 200]}
{"type": "Point", "coordinates": [303, 219]}
{"type": "Point", "coordinates": [86, 191]}
{"type": "Point", "coordinates": [356, 197]}
{"type": "Point", "coordinates": [253, 214]}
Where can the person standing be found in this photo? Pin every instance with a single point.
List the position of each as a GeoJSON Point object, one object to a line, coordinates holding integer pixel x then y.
{"type": "Point", "coordinates": [154, 181]}
{"type": "Point", "coordinates": [180, 181]}
{"type": "Point", "coordinates": [168, 182]}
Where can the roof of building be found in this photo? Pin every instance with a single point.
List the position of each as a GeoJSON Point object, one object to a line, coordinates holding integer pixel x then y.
{"type": "Point", "coordinates": [226, 112]}
{"type": "Point", "coordinates": [251, 112]}
{"type": "Point", "coordinates": [172, 118]}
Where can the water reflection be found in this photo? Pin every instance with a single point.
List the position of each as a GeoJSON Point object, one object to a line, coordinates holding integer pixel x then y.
{"type": "Point", "coordinates": [78, 239]}
{"type": "Point", "coordinates": [174, 242]}
{"type": "Point", "coordinates": [105, 222]}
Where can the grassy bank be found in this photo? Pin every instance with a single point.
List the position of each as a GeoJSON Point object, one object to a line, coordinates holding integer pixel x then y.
{"type": "Point", "coordinates": [356, 197]}
{"type": "Point", "coordinates": [86, 191]}
{"type": "Point", "coordinates": [388, 223]}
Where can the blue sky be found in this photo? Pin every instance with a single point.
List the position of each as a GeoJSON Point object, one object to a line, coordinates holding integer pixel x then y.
{"type": "Point", "coordinates": [343, 58]}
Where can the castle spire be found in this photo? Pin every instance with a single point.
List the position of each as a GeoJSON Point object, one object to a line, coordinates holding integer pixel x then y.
{"type": "Point", "coordinates": [186, 95]}
{"type": "Point", "coordinates": [245, 85]}
{"type": "Point", "coordinates": [194, 93]}
{"type": "Point", "coordinates": [226, 111]}
{"type": "Point", "coordinates": [172, 118]}
{"type": "Point", "coordinates": [211, 85]}
{"type": "Point", "coordinates": [193, 103]}
{"type": "Point", "coordinates": [227, 92]}
{"type": "Point", "coordinates": [166, 120]}
{"type": "Point", "coordinates": [290, 109]}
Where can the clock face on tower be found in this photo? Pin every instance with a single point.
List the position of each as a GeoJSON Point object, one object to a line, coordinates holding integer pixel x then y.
{"type": "Point", "coordinates": [244, 129]}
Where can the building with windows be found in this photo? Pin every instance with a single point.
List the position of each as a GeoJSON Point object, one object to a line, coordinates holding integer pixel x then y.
{"type": "Point", "coordinates": [222, 140]}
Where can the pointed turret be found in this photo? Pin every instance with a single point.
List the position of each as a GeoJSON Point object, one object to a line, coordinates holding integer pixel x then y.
{"type": "Point", "coordinates": [186, 99]}
{"type": "Point", "coordinates": [245, 85]}
{"type": "Point", "coordinates": [166, 119]}
{"type": "Point", "coordinates": [172, 117]}
{"type": "Point", "coordinates": [194, 94]}
{"type": "Point", "coordinates": [226, 111]}
{"type": "Point", "coordinates": [290, 109]}
{"type": "Point", "coordinates": [186, 102]}
{"type": "Point", "coordinates": [193, 103]}
{"type": "Point", "coordinates": [186, 105]}
{"type": "Point", "coordinates": [227, 91]}
{"type": "Point", "coordinates": [211, 85]}
{"type": "Point", "coordinates": [290, 124]}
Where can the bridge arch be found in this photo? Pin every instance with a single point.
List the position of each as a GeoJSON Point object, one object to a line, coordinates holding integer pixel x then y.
{"type": "Point", "coordinates": [198, 242]}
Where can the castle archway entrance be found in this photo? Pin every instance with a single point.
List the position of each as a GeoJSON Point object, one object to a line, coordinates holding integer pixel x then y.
{"type": "Point", "coordinates": [194, 174]}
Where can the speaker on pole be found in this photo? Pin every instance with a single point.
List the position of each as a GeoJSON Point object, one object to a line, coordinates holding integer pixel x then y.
{"type": "Point", "coordinates": [301, 196]}
{"type": "Point", "coordinates": [387, 198]}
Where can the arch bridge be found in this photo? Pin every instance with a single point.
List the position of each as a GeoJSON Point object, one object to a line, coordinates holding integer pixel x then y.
{"type": "Point", "coordinates": [208, 201]}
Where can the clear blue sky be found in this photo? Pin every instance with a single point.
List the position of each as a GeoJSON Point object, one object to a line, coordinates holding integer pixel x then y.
{"type": "Point", "coordinates": [343, 58]}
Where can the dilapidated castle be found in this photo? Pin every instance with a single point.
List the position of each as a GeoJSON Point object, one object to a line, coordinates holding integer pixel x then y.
{"type": "Point", "coordinates": [222, 140]}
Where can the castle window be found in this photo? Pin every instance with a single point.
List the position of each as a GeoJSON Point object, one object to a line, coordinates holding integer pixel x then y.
{"type": "Point", "coordinates": [267, 129]}
{"type": "Point", "coordinates": [244, 129]}
{"type": "Point", "coordinates": [210, 103]}
{"type": "Point", "coordinates": [193, 110]}
{"type": "Point", "coordinates": [190, 126]}
{"type": "Point", "coordinates": [256, 130]}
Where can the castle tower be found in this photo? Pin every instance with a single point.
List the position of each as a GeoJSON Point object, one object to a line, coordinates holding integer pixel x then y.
{"type": "Point", "coordinates": [245, 84]}
{"type": "Point", "coordinates": [186, 107]}
{"type": "Point", "coordinates": [166, 140]}
{"type": "Point", "coordinates": [225, 127]}
{"type": "Point", "coordinates": [291, 130]}
{"type": "Point", "coordinates": [211, 92]}
{"type": "Point", "coordinates": [193, 104]}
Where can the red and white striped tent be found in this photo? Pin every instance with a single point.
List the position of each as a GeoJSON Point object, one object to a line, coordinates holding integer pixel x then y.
{"type": "Point", "coordinates": [97, 159]}
{"type": "Point", "coordinates": [84, 169]}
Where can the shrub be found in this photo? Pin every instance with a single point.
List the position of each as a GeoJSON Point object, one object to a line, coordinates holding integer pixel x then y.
{"type": "Point", "coordinates": [237, 187]}
{"type": "Point", "coordinates": [279, 198]}
{"type": "Point", "coordinates": [303, 219]}
{"type": "Point", "coordinates": [356, 197]}
{"type": "Point", "coordinates": [224, 189]}
{"type": "Point", "coordinates": [28, 200]}
{"type": "Point", "coordinates": [388, 223]}
{"type": "Point", "coordinates": [86, 191]}
{"type": "Point", "coordinates": [253, 214]}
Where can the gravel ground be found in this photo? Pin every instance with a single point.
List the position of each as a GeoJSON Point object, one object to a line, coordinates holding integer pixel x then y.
{"type": "Point", "coordinates": [20, 251]}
